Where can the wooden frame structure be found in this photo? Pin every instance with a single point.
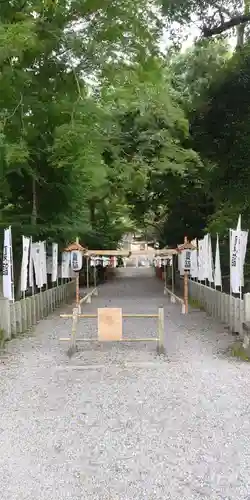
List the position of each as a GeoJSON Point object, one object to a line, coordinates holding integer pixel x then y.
{"type": "Point", "coordinates": [185, 246]}
{"type": "Point", "coordinates": [110, 327]}
{"type": "Point", "coordinates": [108, 253]}
{"type": "Point", "coordinates": [168, 253]}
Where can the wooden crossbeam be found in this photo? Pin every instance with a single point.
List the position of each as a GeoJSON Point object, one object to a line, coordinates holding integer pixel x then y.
{"type": "Point", "coordinates": [110, 327]}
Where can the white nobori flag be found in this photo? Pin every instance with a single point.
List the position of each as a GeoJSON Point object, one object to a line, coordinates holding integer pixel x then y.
{"type": "Point", "coordinates": [201, 265]}
{"type": "Point", "coordinates": [38, 263]}
{"type": "Point", "coordinates": [54, 262]}
{"type": "Point", "coordinates": [217, 271]}
{"type": "Point", "coordinates": [43, 262]}
{"type": "Point", "coordinates": [65, 270]}
{"type": "Point", "coordinates": [194, 260]}
{"type": "Point", "coordinates": [8, 278]}
{"type": "Point", "coordinates": [238, 246]}
{"type": "Point", "coordinates": [210, 261]}
{"type": "Point", "coordinates": [25, 262]}
{"type": "Point", "coordinates": [31, 267]}
{"type": "Point", "coordinates": [206, 257]}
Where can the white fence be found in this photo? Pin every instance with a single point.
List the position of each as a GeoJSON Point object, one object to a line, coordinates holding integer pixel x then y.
{"type": "Point", "coordinates": [23, 314]}
{"type": "Point", "coordinates": [230, 310]}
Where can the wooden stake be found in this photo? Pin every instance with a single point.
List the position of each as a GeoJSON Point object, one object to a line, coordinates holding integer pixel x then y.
{"type": "Point", "coordinates": [95, 276]}
{"type": "Point", "coordinates": [185, 294]}
{"type": "Point", "coordinates": [161, 331]}
{"type": "Point", "coordinates": [87, 273]}
{"type": "Point", "coordinates": [77, 286]}
{"type": "Point", "coordinates": [186, 291]}
{"type": "Point", "coordinates": [72, 347]}
{"type": "Point", "coordinates": [172, 274]}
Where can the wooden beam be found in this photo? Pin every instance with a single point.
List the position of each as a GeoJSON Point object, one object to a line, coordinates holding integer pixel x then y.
{"type": "Point", "coordinates": [107, 253]}
{"type": "Point", "coordinates": [165, 252]}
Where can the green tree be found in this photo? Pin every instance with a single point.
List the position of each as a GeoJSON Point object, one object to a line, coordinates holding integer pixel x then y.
{"type": "Point", "coordinates": [195, 69]}
{"type": "Point", "coordinates": [221, 132]}
{"type": "Point", "coordinates": [49, 52]}
{"type": "Point", "coordinates": [220, 17]}
{"type": "Point", "coordinates": [153, 145]}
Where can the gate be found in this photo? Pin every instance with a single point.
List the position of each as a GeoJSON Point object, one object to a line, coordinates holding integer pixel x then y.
{"type": "Point", "coordinates": [110, 327]}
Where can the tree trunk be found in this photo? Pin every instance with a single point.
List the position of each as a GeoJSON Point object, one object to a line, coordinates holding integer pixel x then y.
{"type": "Point", "coordinates": [34, 203]}
{"type": "Point", "coordinates": [240, 36]}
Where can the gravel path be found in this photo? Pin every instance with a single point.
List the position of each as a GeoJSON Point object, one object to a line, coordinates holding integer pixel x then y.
{"type": "Point", "coordinates": [118, 422]}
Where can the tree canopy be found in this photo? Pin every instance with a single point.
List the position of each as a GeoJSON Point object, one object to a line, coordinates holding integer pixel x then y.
{"type": "Point", "coordinates": [102, 133]}
{"type": "Point", "coordinates": [54, 122]}
{"type": "Point", "coordinates": [211, 17]}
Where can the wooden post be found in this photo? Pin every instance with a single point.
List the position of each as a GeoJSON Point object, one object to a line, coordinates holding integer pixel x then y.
{"type": "Point", "coordinates": [72, 347]}
{"type": "Point", "coordinates": [161, 332]}
{"type": "Point", "coordinates": [185, 284]}
{"type": "Point", "coordinates": [95, 276]}
{"type": "Point", "coordinates": [186, 291]}
{"type": "Point", "coordinates": [87, 273]}
{"type": "Point", "coordinates": [77, 291]}
{"type": "Point", "coordinates": [172, 274]}
{"type": "Point", "coordinates": [77, 287]}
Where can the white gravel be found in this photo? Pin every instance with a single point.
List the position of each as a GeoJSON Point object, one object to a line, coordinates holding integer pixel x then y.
{"type": "Point", "coordinates": [118, 422]}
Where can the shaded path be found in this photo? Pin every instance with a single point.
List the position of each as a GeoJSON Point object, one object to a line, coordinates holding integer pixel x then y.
{"type": "Point", "coordinates": [118, 422]}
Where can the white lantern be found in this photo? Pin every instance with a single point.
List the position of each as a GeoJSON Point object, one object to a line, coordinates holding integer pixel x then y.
{"type": "Point", "coordinates": [76, 260]}
{"type": "Point", "coordinates": [187, 259]}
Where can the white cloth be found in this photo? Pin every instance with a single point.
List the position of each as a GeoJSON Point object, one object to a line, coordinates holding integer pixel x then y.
{"type": "Point", "coordinates": [217, 271]}
{"type": "Point", "coordinates": [25, 262]}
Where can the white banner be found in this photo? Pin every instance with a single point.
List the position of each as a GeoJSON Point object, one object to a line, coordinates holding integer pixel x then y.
{"type": "Point", "coordinates": [194, 261]}
{"type": "Point", "coordinates": [201, 260]}
{"type": "Point", "coordinates": [8, 278]}
{"type": "Point", "coordinates": [217, 271]}
{"type": "Point", "coordinates": [25, 262]}
{"type": "Point", "coordinates": [36, 257]}
{"type": "Point", "coordinates": [54, 262]}
{"type": "Point", "coordinates": [238, 245]}
{"type": "Point", "coordinates": [206, 258]}
{"type": "Point", "coordinates": [43, 262]}
{"type": "Point", "coordinates": [210, 261]}
{"type": "Point", "coordinates": [194, 264]}
{"type": "Point", "coordinates": [65, 268]}
{"type": "Point", "coordinates": [31, 266]}
{"type": "Point", "coordinates": [244, 239]}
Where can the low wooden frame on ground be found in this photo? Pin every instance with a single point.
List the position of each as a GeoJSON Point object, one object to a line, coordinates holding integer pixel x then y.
{"type": "Point", "coordinates": [110, 327]}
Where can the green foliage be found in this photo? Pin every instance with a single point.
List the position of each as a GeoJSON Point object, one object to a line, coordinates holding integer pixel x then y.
{"type": "Point", "coordinates": [219, 18]}
{"type": "Point", "coordinates": [153, 142]}
{"type": "Point", "coordinates": [94, 135]}
{"type": "Point", "coordinates": [54, 128]}
{"type": "Point", "coordinates": [196, 68]}
{"type": "Point", "coordinates": [221, 133]}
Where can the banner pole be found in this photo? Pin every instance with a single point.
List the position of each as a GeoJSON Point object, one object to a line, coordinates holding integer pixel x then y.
{"type": "Point", "coordinates": [95, 275]}
{"type": "Point", "coordinates": [77, 283]}
{"type": "Point", "coordinates": [185, 294]}
{"type": "Point", "coordinates": [165, 277]}
{"type": "Point", "coordinates": [87, 273]}
{"type": "Point", "coordinates": [172, 274]}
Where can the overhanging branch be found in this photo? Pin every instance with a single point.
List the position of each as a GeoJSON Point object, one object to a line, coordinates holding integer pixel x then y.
{"type": "Point", "coordinates": [227, 25]}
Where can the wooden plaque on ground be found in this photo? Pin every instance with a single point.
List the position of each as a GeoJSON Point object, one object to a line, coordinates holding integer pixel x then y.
{"type": "Point", "coordinates": [109, 324]}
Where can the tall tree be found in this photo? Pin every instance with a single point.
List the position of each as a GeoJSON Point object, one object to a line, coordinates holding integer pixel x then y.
{"type": "Point", "coordinates": [212, 17]}
{"type": "Point", "coordinates": [50, 52]}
